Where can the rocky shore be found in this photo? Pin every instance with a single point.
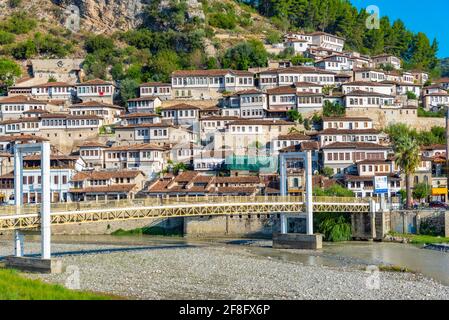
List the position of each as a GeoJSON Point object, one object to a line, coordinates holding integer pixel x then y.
{"type": "Point", "coordinates": [222, 272]}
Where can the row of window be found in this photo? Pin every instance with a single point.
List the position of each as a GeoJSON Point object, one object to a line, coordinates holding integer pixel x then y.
{"type": "Point", "coordinates": [254, 113]}
{"type": "Point", "coordinates": [54, 90]}
{"type": "Point", "coordinates": [94, 89]}
{"type": "Point", "coordinates": [29, 180]}
{"type": "Point", "coordinates": [357, 156]}
{"type": "Point", "coordinates": [340, 125]}
{"type": "Point", "coordinates": [133, 154]}
{"type": "Point", "coordinates": [19, 107]}
{"type": "Point", "coordinates": [160, 90]}
{"type": "Point", "coordinates": [88, 122]}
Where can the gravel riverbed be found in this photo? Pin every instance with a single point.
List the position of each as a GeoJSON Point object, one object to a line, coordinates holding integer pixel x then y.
{"type": "Point", "coordinates": [180, 271]}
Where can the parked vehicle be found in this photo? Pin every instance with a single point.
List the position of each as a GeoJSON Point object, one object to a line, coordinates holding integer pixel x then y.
{"type": "Point", "coordinates": [438, 204]}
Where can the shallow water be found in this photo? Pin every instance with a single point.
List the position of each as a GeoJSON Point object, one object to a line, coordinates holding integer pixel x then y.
{"type": "Point", "coordinates": [431, 263]}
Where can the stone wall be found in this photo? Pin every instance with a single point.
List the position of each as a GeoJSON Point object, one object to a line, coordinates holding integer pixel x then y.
{"type": "Point", "coordinates": [110, 226]}
{"type": "Point", "coordinates": [383, 117]}
{"type": "Point", "coordinates": [420, 222]}
{"type": "Point", "coordinates": [227, 226]}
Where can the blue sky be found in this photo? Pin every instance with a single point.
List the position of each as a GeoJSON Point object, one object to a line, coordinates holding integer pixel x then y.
{"type": "Point", "coordinates": [430, 17]}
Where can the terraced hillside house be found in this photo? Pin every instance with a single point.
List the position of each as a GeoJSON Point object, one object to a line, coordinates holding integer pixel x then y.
{"type": "Point", "coordinates": [209, 126]}
{"type": "Point", "coordinates": [347, 129]}
{"type": "Point", "coordinates": [369, 75]}
{"type": "Point", "coordinates": [335, 63]}
{"type": "Point", "coordinates": [54, 91]}
{"type": "Point", "coordinates": [92, 153]}
{"type": "Point", "coordinates": [362, 183]}
{"type": "Point", "coordinates": [209, 84]}
{"type": "Point", "coordinates": [108, 112]}
{"type": "Point", "coordinates": [386, 59]}
{"type": "Point", "coordinates": [342, 157]}
{"type": "Point", "coordinates": [385, 87]}
{"type": "Point", "coordinates": [193, 183]}
{"type": "Point", "coordinates": [139, 118]}
{"type": "Point", "coordinates": [146, 157]}
{"type": "Point", "coordinates": [289, 76]}
{"type": "Point", "coordinates": [359, 99]}
{"type": "Point", "coordinates": [327, 41]}
{"type": "Point", "coordinates": [96, 90]}
{"type": "Point", "coordinates": [157, 133]}
{"type": "Point", "coordinates": [242, 135]}
{"type": "Point", "coordinates": [181, 114]}
{"type": "Point", "coordinates": [106, 185]}
{"type": "Point", "coordinates": [156, 89]}
{"type": "Point", "coordinates": [62, 169]}
{"type": "Point", "coordinates": [13, 107]}
{"type": "Point", "coordinates": [144, 104]}
{"type": "Point", "coordinates": [250, 103]}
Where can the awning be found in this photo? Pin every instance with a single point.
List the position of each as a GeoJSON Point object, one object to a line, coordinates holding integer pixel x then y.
{"type": "Point", "coordinates": [439, 191]}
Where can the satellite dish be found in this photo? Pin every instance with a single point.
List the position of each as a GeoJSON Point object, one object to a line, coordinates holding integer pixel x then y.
{"type": "Point", "coordinates": [60, 63]}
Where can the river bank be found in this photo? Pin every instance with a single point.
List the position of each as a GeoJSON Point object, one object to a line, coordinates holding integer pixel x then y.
{"type": "Point", "coordinates": [154, 268]}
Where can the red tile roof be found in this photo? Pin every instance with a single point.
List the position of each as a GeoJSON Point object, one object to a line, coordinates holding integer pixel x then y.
{"type": "Point", "coordinates": [21, 99]}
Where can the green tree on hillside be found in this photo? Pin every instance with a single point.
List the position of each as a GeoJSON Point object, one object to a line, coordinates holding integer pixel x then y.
{"type": "Point", "coordinates": [246, 55]}
{"type": "Point", "coordinates": [9, 71]}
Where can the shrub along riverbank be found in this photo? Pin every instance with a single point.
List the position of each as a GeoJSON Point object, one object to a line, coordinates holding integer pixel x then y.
{"type": "Point", "coordinates": [151, 231]}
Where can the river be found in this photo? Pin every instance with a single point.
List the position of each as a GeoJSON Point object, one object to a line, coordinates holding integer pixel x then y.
{"type": "Point", "coordinates": [433, 264]}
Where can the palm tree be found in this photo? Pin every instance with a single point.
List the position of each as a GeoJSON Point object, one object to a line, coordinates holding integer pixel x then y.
{"type": "Point", "coordinates": [407, 155]}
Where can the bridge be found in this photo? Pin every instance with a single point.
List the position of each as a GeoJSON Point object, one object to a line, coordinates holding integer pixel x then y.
{"type": "Point", "coordinates": [21, 216]}
{"type": "Point", "coordinates": [90, 212]}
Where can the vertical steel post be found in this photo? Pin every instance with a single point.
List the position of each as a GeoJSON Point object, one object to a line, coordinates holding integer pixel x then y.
{"type": "Point", "coordinates": [447, 154]}
{"type": "Point", "coordinates": [283, 189]}
{"type": "Point", "coordinates": [18, 180]}
{"type": "Point", "coordinates": [373, 218]}
{"type": "Point", "coordinates": [309, 192]}
{"type": "Point", "coordinates": [45, 204]}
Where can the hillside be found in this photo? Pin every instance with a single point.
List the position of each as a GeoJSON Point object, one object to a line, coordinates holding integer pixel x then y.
{"type": "Point", "coordinates": [132, 41]}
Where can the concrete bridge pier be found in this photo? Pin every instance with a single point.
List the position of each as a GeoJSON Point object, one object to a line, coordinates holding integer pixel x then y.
{"type": "Point", "coordinates": [18, 261]}
{"type": "Point", "coordinates": [285, 240]}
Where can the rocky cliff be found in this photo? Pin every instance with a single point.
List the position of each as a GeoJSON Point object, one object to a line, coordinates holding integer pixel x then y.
{"type": "Point", "coordinates": [100, 16]}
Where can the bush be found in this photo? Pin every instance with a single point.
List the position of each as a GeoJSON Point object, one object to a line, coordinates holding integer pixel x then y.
{"type": "Point", "coordinates": [246, 55]}
{"type": "Point", "coordinates": [9, 71]}
{"type": "Point", "coordinates": [334, 226]}
{"type": "Point", "coordinates": [222, 21]}
{"type": "Point", "coordinates": [411, 95]}
{"type": "Point", "coordinates": [98, 42]}
{"type": "Point", "coordinates": [24, 50]}
{"type": "Point", "coordinates": [430, 114]}
{"type": "Point", "coordinates": [18, 23]}
{"type": "Point", "coordinates": [294, 115]}
{"type": "Point", "coordinates": [6, 37]}
{"type": "Point", "coordinates": [274, 37]}
{"type": "Point", "coordinates": [328, 172]}
{"type": "Point", "coordinates": [335, 229]}
{"type": "Point", "coordinates": [333, 109]}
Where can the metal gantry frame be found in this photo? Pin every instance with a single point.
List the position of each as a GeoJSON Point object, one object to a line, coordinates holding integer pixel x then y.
{"type": "Point", "coordinates": [307, 157]}
{"type": "Point", "coordinates": [45, 212]}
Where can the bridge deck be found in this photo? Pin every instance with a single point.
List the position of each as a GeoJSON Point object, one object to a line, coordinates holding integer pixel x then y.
{"type": "Point", "coordinates": [89, 212]}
